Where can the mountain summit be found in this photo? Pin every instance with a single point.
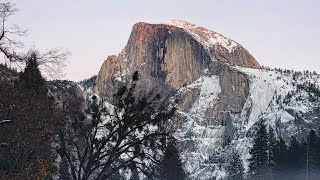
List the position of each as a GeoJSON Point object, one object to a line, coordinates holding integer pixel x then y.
{"type": "Point", "coordinates": [177, 52]}
{"type": "Point", "coordinates": [220, 90]}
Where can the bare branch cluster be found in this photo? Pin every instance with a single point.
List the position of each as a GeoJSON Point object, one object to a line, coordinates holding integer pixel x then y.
{"type": "Point", "coordinates": [8, 43]}
{"type": "Point", "coordinates": [51, 62]}
{"type": "Point", "coordinates": [125, 136]}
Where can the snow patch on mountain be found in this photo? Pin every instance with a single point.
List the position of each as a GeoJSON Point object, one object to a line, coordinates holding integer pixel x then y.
{"type": "Point", "coordinates": [206, 37]}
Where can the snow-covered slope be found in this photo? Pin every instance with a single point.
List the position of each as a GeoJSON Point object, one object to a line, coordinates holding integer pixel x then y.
{"type": "Point", "coordinates": [287, 101]}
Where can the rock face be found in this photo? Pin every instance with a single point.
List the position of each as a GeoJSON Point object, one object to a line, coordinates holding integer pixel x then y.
{"type": "Point", "coordinates": [68, 96]}
{"type": "Point", "coordinates": [194, 64]}
{"type": "Point", "coordinates": [172, 54]}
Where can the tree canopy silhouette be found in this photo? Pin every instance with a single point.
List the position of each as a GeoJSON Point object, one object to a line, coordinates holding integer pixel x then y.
{"type": "Point", "coordinates": [120, 137]}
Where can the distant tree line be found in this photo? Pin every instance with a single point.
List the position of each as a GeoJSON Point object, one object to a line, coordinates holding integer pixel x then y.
{"type": "Point", "coordinates": [89, 82]}
{"type": "Point", "coordinates": [5, 67]}
{"type": "Point", "coordinates": [272, 158]}
{"type": "Point", "coordinates": [295, 74]}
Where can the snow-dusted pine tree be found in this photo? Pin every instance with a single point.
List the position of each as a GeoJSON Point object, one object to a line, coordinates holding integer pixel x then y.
{"type": "Point", "coordinates": [171, 165]}
{"type": "Point", "coordinates": [259, 168]}
{"type": "Point", "coordinates": [272, 149]}
{"type": "Point", "coordinates": [281, 160]}
{"type": "Point", "coordinates": [295, 158]}
{"type": "Point", "coordinates": [312, 162]}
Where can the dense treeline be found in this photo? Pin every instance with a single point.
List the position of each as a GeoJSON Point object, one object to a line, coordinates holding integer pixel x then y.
{"type": "Point", "coordinates": [89, 82]}
{"type": "Point", "coordinates": [272, 158]}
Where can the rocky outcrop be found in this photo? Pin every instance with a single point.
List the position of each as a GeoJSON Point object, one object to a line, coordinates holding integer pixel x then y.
{"type": "Point", "coordinates": [69, 98]}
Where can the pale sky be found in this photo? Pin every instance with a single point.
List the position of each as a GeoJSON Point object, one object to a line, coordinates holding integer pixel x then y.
{"type": "Point", "coordinates": [278, 33]}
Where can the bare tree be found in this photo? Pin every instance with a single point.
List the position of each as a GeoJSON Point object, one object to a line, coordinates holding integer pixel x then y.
{"type": "Point", "coordinates": [8, 43]}
{"type": "Point", "coordinates": [126, 136]}
{"type": "Point", "coordinates": [51, 62]}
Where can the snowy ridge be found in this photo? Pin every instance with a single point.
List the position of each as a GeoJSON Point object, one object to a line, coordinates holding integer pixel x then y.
{"type": "Point", "coordinates": [206, 37]}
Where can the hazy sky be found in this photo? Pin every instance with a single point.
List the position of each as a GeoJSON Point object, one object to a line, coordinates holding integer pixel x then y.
{"type": "Point", "coordinates": [278, 33]}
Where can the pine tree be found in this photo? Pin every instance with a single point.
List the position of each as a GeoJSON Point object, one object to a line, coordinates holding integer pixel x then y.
{"type": "Point", "coordinates": [281, 159]}
{"type": "Point", "coordinates": [294, 158]}
{"type": "Point", "coordinates": [64, 173]}
{"type": "Point", "coordinates": [171, 165]}
{"type": "Point", "coordinates": [272, 148]}
{"type": "Point", "coordinates": [313, 153]}
{"type": "Point", "coordinates": [305, 159]}
{"type": "Point", "coordinates": [259, 168]}
{"type": "Point", "coordinates": [235, 167]}
{"type": "Point", "coordinates": [31, 78]}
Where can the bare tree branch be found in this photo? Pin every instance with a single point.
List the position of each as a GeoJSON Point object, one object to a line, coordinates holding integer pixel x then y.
{"type": "Point", "coordinates": [117, 138]}
{"type": "Point", "coordinates": [51, 62]}
{"type": "Point", "coordinates": [8, 44]}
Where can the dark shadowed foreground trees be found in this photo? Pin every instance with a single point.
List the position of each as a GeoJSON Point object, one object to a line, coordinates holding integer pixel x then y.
{"type": "Point", "coordinates": [26, 149]}
{"type": "Point", "coordinates": [29, 118]}
{"type": "Point", "coordinates": [121, 138]}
